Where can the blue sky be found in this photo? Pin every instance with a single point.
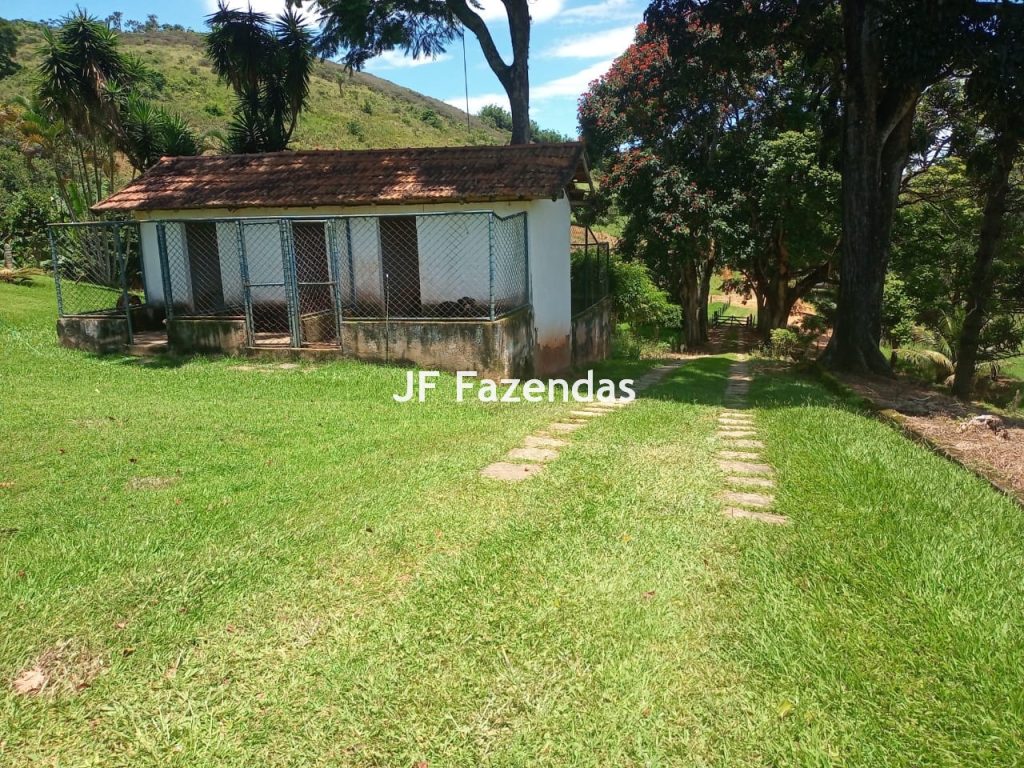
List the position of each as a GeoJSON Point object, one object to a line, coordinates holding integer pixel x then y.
{"type": "Point", "coordinates": [573, 42]}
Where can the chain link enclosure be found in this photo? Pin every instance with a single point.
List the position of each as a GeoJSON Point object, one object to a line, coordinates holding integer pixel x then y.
{"type": "Point", "coordinates": [296, 280]}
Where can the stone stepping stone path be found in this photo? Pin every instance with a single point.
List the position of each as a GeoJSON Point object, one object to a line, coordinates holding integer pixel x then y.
{"type": "Point", "coordinates": [749, 482]}
{"type": "Point", "coordinates": [542, 447]}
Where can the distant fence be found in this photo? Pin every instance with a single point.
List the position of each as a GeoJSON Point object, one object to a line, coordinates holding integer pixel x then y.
{"type": "Point", "coordinates": [590, 268]}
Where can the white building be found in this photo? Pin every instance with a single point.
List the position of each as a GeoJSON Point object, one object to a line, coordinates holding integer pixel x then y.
{"type": "Point", "coordinates": [441, 257]}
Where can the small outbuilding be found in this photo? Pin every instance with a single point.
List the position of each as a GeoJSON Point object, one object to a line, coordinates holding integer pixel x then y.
{"type": "Point", "coordinates": [451, 258]}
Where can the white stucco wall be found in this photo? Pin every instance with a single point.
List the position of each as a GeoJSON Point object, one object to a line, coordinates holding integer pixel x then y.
{"type": "Point", "coordinates": [547, 241]}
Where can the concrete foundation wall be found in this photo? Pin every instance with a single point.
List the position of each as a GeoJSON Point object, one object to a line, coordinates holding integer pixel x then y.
{"type": "Point", "coordinates": [99, 334]}
{"type": "Point", "coordinates": [501, 348]}
{"type": "Point", "coordinates": [592, 333]}
{"type": "Point", "coordinates": [217, 335]}
{"type": "Point", "coordinates": [104, 334]}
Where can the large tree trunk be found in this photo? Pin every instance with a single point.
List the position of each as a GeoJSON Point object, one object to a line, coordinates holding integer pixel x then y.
{"type": "Point", "coordinates": [777, 289]}
{"type": "Point", "coordinates": [688, 297]}
{"type": "Point", "coordinates": [980, 290]}
{"type": "Point", "coordinates": [876, 139]}
{"type": "Point", "coordinates": [703, 298]}
{"type": "Point", "coordinates": [518, 81]}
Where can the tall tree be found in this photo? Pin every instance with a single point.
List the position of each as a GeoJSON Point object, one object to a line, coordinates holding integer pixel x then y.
{"type": "Point", "coordinates": [882, 55]}
{"type": "Point", "coordinates": [654, 122]}
{"type": "Point", "coordinates": [367, 28]}
{"type": "Point", "coordinates": [268, 64]}
{"type": "Point", "coordinates": [727, 151]}
{"type": "Point", "coordinates": [995, 92]}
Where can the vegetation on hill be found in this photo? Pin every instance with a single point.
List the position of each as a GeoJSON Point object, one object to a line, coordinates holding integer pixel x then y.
{"type": "Point", "coordinates": [345, 111]}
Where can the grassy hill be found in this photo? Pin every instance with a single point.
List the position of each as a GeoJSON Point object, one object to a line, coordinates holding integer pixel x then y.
{"type": "Point", "coordinates": [345, 111]}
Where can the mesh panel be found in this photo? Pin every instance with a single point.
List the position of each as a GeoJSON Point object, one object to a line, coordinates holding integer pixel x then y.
{"type": "Point", "coordinates": [589, 273]}
{"type": "Point", "coordinates": [97, 267]}
{"type": "Point", "coordinates": [203, 269]}
{"type": "Point", "coordinates": [454, 279]}
{"type": "Point", "coordinates": [314, 283]}
{"type": "Point", "coordinates": [511, 290]}
{"type": "Point", "coordinates": [267, 262]}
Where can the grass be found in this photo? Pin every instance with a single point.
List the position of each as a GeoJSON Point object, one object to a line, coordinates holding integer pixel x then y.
{"type": "Point", "coordinates": [1013, 367]}
{"type": "Point", "coordinates": [733, 308]}
{"type": "Point", "coordinates": [316, 575]}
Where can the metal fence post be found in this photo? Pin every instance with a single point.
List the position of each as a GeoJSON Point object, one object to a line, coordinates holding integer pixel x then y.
{"type": "Point", "coordinates": [528, 292]}
{"type": "Point", "coordinates": [55, 258]}
{"type": "Point", "coordinates": [243, 269]}
{"type": "Point", "coordinates": [335, 268]}
{"type": "Point", "coordinates": [291, 289]}
{"type": "Point", "coordinates": [165, 269]}
{"type": "Point", "coordinates": [122, 265]}
{"type": "Point", "coordinates": [490, 261]}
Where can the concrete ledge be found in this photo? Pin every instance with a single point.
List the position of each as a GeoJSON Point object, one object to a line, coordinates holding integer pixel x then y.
{"type": "Point", "coordinates": [216, 335]}
{"type": "Point", "coordinates": [592, 333]}
{"type": "Point", "coordinates": [99, 334]}
{"type": "Point", "coordinates": [499, 348]}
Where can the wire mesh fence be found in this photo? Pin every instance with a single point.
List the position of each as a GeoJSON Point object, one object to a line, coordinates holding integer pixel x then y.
{"type": "Point", "coordinates": [97, 267]}
{"type": "Point", "coordinates": [296, 280]}
{"type": "Point", "coordinates": [590, 281]}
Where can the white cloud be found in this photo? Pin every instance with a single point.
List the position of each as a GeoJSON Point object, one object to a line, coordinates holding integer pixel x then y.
{"type": "Point", "coordinates": [540, 10]}
{"type": "Point", "coordinates": [476, 103]}
{"type": "Point", "coordinates": [607, 10]}
{"type": "Point", "coordinates": [398, 60]}
{"type": "Point", "coordinates": [600, 45]}
{"type": "Point", "coordinates": [571, 85]}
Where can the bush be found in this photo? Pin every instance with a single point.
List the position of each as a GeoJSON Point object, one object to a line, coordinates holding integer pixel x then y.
{"type": "Point", "coordinates": [786, 344]}
{"type": "Point", "coordinates": [638, 301]}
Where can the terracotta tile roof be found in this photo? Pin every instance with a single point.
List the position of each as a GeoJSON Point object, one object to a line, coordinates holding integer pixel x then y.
{"type": "Point", "coordinates": [357, 177]}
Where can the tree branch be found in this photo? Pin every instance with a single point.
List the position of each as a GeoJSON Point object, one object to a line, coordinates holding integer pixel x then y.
{"type": "Point", "coordinates": [475, 24]}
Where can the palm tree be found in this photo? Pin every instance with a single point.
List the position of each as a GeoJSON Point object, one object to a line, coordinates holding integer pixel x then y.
{"type": "Point", "coordinates": [87, 108]}
{"type": "Point", "coordinates": [268, 64]}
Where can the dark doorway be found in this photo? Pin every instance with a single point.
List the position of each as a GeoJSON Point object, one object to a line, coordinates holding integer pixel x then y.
{"type": "Point", "coordinates": [204, 267]}
{"type": "Point", "coordinates": [400, 254]}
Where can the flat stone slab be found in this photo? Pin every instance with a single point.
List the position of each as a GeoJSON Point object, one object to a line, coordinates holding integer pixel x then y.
{"type": "Point", "coordinates": [513, 473]}
{"type": "Point", "coordinates": [739, 455]}
{"type": "Point", "coordinates": [733, 433]}
{"type": "Point", "coordinates": [533, 454]}
{"type": "Point", "coordinates": [751, 481]}
{"type": "Point", "coordinates": [540, 441]}
{"type": "Point", "coordinates": [559, 426]}
{"type": "Point", "coordinates": [585, 414]}
{"type": "Point", "coordinates": [745, 443]}
{"type": "Point", "coordinates": [746, 498]}
{"type": "Point", "coordinates": [744, 467]}
{"type": "Point", "coordinates": [736, 421]}
{"type": "Point", "coordinates": [761, 517]}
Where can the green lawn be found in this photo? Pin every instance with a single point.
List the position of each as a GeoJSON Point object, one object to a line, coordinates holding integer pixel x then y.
{"type": "Point", "coordinates": [315, 575]}
{"type": "Point", "coordinates": [1014, 367]}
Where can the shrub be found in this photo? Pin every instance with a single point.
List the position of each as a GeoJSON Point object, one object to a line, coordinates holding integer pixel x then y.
{"type": "Point", "coordinates": [786, 344]}
{"type": "Point", "coordinates": [638, 300]}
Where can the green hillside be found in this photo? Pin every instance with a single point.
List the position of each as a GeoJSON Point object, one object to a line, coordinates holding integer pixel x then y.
{"type": "Point", "coordinates": [345, 111]}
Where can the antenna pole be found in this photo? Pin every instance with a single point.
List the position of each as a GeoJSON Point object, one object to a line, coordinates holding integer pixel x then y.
{"type": "Point", "coordinates": [465, 78]}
